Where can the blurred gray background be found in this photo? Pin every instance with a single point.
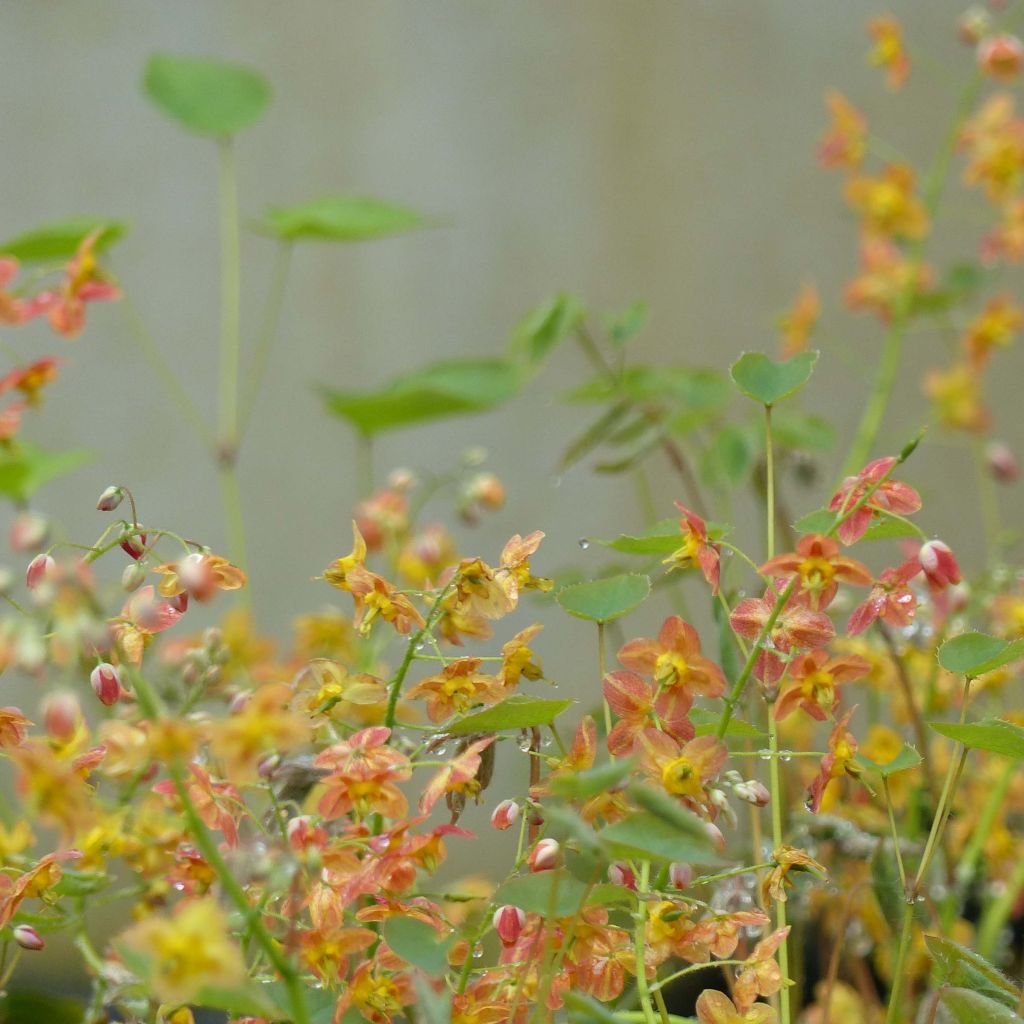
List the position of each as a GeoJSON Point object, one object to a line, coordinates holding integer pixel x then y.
{"type": "Point", "coordinates": [661, 150]}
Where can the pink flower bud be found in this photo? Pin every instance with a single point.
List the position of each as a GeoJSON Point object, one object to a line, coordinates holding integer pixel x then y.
{"type": "Point", "coordinates": [505, 815]}
{"type": "Point", "coordinates": [38, 569]}
{"type": "Point", "coordinates": [303, 834]}
{"type": "Point", "coordinates": [488, 490]}
{"type": "Point", "coordinates": [508, 923]}
{"type": "Point", "coordinates": [62, 715]}
{"type": "Point", "coordinates": [679, 875]}
{"type": "Point", "coordinates": [547, 854]}
{"type": "Point", "coordinates": [134, 545]}
{"type": "Point", "coordinates": [133, 577]}
{"type": "Point", "coordinates": [110, 499]}
{"type": "Point", "coordinates": [939, 564]}
{"type": "Point", "coordinates": [1002, 463]}
{"type": "Point", "coordinates": [28, 531]}
{"type": "Point", "coordinates": [1001, 57]}
{"type": "Point", "coordinates": [973, 25]}
{"type": "Point", "coordinates": [106, 683]}
{"type": "Point", "coordinates": [714, 833]}
{"type": "Point", "coordinates": [28, 938]}
{"type": "Point", "coordinates": [753, 792]}
{"type": "Point", "coordinates": [621, 874]}
{"type": "Point", "coordinates": [179, 602]}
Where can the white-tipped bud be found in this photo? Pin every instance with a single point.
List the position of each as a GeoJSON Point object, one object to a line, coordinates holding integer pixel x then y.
{"type": "Point", "coordinates": [110, 499]}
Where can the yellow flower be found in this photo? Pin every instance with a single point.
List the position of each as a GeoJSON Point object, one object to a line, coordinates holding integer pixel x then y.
{"type": "Point", "coordinates": [187, 951]}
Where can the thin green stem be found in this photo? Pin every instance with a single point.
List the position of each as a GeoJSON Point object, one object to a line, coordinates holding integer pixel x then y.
{"type": "Point", "coordinates": [777, 796]}
{"type": "Point", "coordinates": [894, 1013]}
{"type": "Point", "coordinates": [640, 943]}
{"type": "Point", "coordinates": [980, 833]}
{"type": "Point", "coordinates": [895, 833]}
{"type": "Point", "coordinates": [994, 919]}
{"type": "Point", "coordinates": [364, 464]}
{"type": "Point", "coordinates": [231, 298]}
{"type": "Point", "coordinates": [769, 457]}
{"type": "Point", "coordinates": [601, 673]}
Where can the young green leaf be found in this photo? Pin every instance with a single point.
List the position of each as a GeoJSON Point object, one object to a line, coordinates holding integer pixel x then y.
{"type": "Point", "coordinates": [518, 712]}
{"type": "Point", "coordinates": [58, 242]}
{"type": "Point", "coordinates": [769, 382]}
{"type": "Point", "coordinates": [727, 461]}
{"type": "Point", "coordinates": [967, 1007]}
{"type": "Point", "coordinates": [607, 599]}
{"type": "Point", "coordinates": [661, 539]}
{"type": "Point", "coordinates": [627, 324]}
{"type": "Point", "coordinates": [25, 470]}
{"type": "Point", "coordinates": [957, 965]}
{"type": "Point", "coordinates": [906, 759]}
{"type": "Point", "coordinates": [205, 96]}
{"type": "Point", "coordinates": [706, 723]}
{"type": "Point", "coordinates": [417, 943]}
{"type": "Point", "coordinates": [644, 834]}
{"type": "Point", "coordinates": [543, 329]}
{"type": "Point", "coordinates": [973, 654]}
{"type": "Point", "coordinates": [992, 734]}
{"type": "Point", "coordinates": [542, 892]}
{"type": "Point", "coordinates": [339, 219]}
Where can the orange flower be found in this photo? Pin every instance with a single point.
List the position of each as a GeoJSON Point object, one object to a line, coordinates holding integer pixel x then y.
{"type": "Point", "coordinates": [994, 141]}
{"type": "Point", "coordinates": [888, 496]}
{"type": "Point", "coordinates": [995, 327]}
{"type": "Point", "coordinates": [337, 572]}
{"type": "Point", "coordinates": [518, 659]}
{"type": "Point", "coordinates": [363, 778]}
{"type": "Point", "coordinates": [685, 770]}
{"type": "Point", "coordinates": [845, 142]}
{"type": "Point", "coordinates": [200, 576]}
{"type": "Point", "coordinates": [1001, 57]}
{"type": "Point", "coordinates": [956, 394]}
{"type": "Point", "coordinates": [1007, 239]}
{"type": "Point", "coordinates": [888, 204]}
{"type": "Point", "coordinates": [797, 324]}
{"type": "Point", "coordinates": [31, 379]}
{"type": "Point", "coordinates": [890, 600]}
{"type": "Point", "coordinates": [760, 975]}
{"type": "Point", "coordinates": [457, 688]}
{"type": "Point", "coordinates": [674, 660]}
{"type": "Point", "coordinates": [634, 703]}
{"type": "Point", "coordinates": [837, 762]}
{"type": "Point", "coordinates": [889, 51]}
{"type": "Point", "coordinates": [458, 776]}
{"type": "Point", "coordinates": [141, 617]}
{"type": "Point", "coordinates": [813, 681]}
{"type": "Point", "coordinates": [820, 566]}
{"type": "Point", "coordinates": [888, 279]}
{"type": "Point", "coordinates": [715, 1007]}
{"type": "Point", "coordinates": [786, 859]}
{"type": "Point", "coordinates": [697, 548]}
{"type": "Point", "coordinates": [13, 727]}
{"type": "Point", "coordinates": [376, 598]}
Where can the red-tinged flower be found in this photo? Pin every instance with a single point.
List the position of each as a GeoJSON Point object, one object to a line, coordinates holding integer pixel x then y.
{"type": "Point", "coordinates": [458, 776]}
{"type": "Point", "coordinates": [31, 379]}
{"type": "Point", "coordinates": [106, 683]}
{"type": "Point", "coordinates": [518, 660]}
{"type": "Point", "coordinates": [813, 683]}
{"type": "Point", "coordinates": [821, 567]}
{"type": "Point", "coordinates": [10, 305]}
{"type": "Point", "coordinates": [28, 531]}
{"type": "Point", "coordinates": [505, 815]}
{"type": "Point", "coordinates": [141, 618]}
{"type": "Point", "coordinates": [683, 770]}
{"type": "Point", "coordinates": [219, 804]}
{"type": "Point", "coordinates": [13, 727]}
{"type": "Point", "coordinates": [200, 576]}
{"type": "Point", "coordinates": [36, 882]}
{"type": "Point", "coordinates": [545, 856]}
{"type": "Point", "coordinates": [1001, 462]}
{"type": "Point", "coordinates": [696, 549]}
{"type": "Point", "coordinates": [508, 922]}
{"type": "Point", "coordinates": [845, 143]}
{"type": "Point", "coordinates": [958, 397]}
{"type": "Point", "coordinates": [994, 141]}
{"type": "Point", "coordinates": [458, 687]}
{"type": "Point", "coordinates": [304, 836]}
{"type": "Point", "coordinates": [83, 282]}
{"type": "Point", "coordinates": [888, 279]}
{"type": "Point", "coordinates": [1000, 57]}
{"type": "Point", "coordinates": [133, 544]}
{"type": "Point", "coordinates": [760, 974]}
{"type": "Point", "coordinates": [41, 567]}
{"type": "Point", "coordinates": [364, 776]}
{"type": "Point", "coordinates": [680, 875]}
{"type": "Point", "coordinates": [995, 327]}
{"type": "Point", "coordinates": [839, 761]}
{"type": "Point", "coordinates": [634, 702]}
{"type": "Point", "coordinates": [376, 598]}
{"type": "Point", "coordinates": [337, 572]}
{"type": "Point", "coordinates": [674, 660]}
{"type": "Point", "coordinates": [889, 496]}
{"type": "Point", "coordinates": [383, 517]}
{"type": "Point", "coordinates": [889, 51]}
{"type": "Point", "coordinates": [939, 565]}
{"type": "Point", "coordinates": [714, 1007]}
{"type": "Point", "coordinates": [380, 994]}
{"type": "Point", "coordinates": [10, 420]}
{"type": "Point", "coordinates": [888, 205]}
{"type": "Point", "coordinates": [620, 873]}
{"type": "Point", "coordinates": [1006, 240]}
{"type": "Point", "coordinates": [890, 600]}
{"type": "Point", "coordinates": [796, 627]}
{"type": "Point", "coordinates": [513, 572]}
{"type": "Point", "coordinates": [582, 755]}
{"type": "Point", "coordinates": [798, 323]}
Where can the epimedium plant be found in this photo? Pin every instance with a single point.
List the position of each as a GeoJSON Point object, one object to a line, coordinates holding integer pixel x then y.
{"type": "Point", "coordinates": [800, 802]}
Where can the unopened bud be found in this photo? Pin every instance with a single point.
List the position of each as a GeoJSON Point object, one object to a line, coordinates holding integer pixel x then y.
{"type": "Point", "coordinates": [134, 545]}
{"type": "Point", "coordinates": [133, 577]}
{"type": "Point", "coordinates": [509, 922]}
{"type": "Point", "coordinates": [38, 569]}
{"type": "Point", "coordinates": [1002, 463]}
{"type": "Point", "coordinates": [62, 715]}
{"type": "Point", "coordinates": [28, 938]}
{"type": "Point", "coordinates": [939, 564]}
{"type": "Point", "coordinates": [106, 683]}
{"type": "Point", "coordinates": [488, 490]}
{"type": "Point", "coordinates": [28, 531]}
{"type": "Point", "coordinates": [1001, 57]}
{"type": "Point", "coordinates": [753, 792]}
{"type": "Point", "coordinates": [621, 874]}
{"type": "Point", "coordinates": [545, 856]}
{"type": "Point", "coordinates": [973, 25]}
{"type": "Point", "coordinates": [714, 833]}
{"type": "Point", "coordinates": [679, 875]}
{"type": "Point", "coordinates": [402, 480]}
{"type": "Point", "coordinates": [505, 815]}
{"type": "Point", "coordinates": [110, 499]}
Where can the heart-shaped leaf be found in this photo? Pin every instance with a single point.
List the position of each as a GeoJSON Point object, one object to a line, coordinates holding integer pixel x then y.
{"type": "Point", "coordinates": [991, 734]}
{"type": "Point", "coordinates": [206, 96]}
{"type": "Point", "coordinates": [339, 219]}
{"type": "Point", "coordinates": [417, 943]}
{"type": "Point", "coordinates": [607, 599]}
{"type": "Point", "coordinates": [58, 242]}
{"type": "Point", "coordinates": [769, 382]}
{"type": "Point", "coordinates": [518, 712]}
{"type": "Point", "coordinates": [973, 654]}
{"type": "Point", "coordinates": [453, 388]}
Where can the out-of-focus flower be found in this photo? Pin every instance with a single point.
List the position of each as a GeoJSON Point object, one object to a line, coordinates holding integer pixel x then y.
{"type": "Point", "coordinates": [845, 142]}
{"type": "Point", "coordinates": [888, 281]}
{"type": "Point", "coordinates": [1001, 461]}
{"type": "Point", "coordinates": [545, 856]}
{"type": "Point", "coordinates": [995, 327]}
{"type": "Point", "coordinates": [1006, 240]}
{"type": "Point", "coordinates": [798, 322]}
{"type": "Point", "coordinates": [714, 1007]}
{"type": "Point", "coordinates": [956, 394]}
{"type": "Point", "coordinates": [889, 51]}
{"type": "Point", "coordinates": [200, 576]}
{"type": "Point", "coordinates": [31, 379]}
{"type": "Point", "coordinates": [994, 142]}
{"type": "Point", "coordinates": [1000, 57]}
{"type": "Point", "coordinates": [888, 205]}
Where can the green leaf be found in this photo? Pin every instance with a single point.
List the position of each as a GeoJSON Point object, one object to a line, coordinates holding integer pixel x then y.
{"type": "Point", "coordinates": [339, 219]}
{"type": "Point", "coordinates": [957, 965]}
{"type": "Point", "coordinates": [727, 460]}
{"type": "Point", "coordinates": [706, 723]}
{"type": "Point", "coordinates": [598, 432]}
{"type": "Point", "coordinates": [906, 759]}
{"type": "Point", "coordinates": [543, 329]}
{"type": "Point", "coordinates": [241, 1000]}
{"type": "Point", "coordinates": [699, 390]}
{"type": "Point", "coordinates": [432, 1007]}
{"type": "Point", "coordinates": [453, 388]}
{"type": "Point", "coordinates": [206, 96]}
{"type": "Point", "coordinates": [607, 599]}
{"type": "Point", "coordinates": [644, 834]}
{"type": "Point", "coordinates": [662, 538]}
{"type": "Point", "coordinates": [884, 528]}
{"type": "Point", "coordinates": [417, 943]}
{"type": "Point", "coordinates": [534, 893]}
{"type": "Point", "coordinates": [887, 887]}
{"type": "Point", "coordinates": [818, 521]}
{"type": "Point", "coordinates": [973, 654]}
{"type": "Point", "coordinates": [58, 242]}
{"type": "Point", "coordinates": [769, 382]}
{"type": "Point", "coordinates": [25, 469]}
{"type": "Point", "coordinates": [967, 1007]}
{"type": "Point", "coordinates": [33, 1007]}
{"type": "Point", "coordinates": [628, 324]}
{"type": "Point", "coordinates": [589, 783]}
{"type": "Point", "coordinates": [518, 712]}
{"type": "Point", "coordinates": [81, 883]}
{"type": "Point", "coordinates": [991, 734]}
{"type": "Point", "coordinates": [802, 431]}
